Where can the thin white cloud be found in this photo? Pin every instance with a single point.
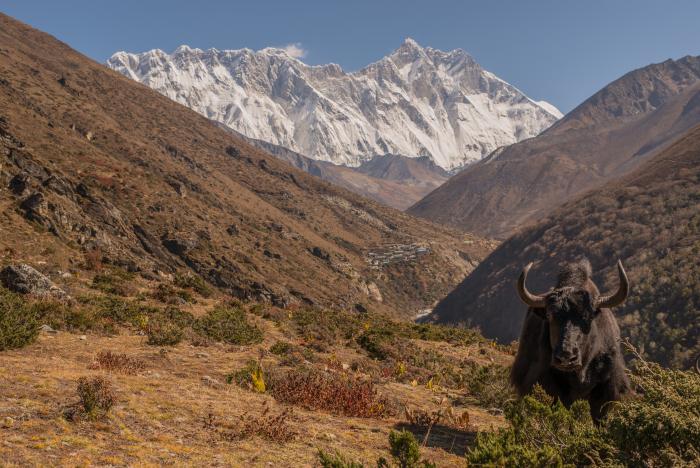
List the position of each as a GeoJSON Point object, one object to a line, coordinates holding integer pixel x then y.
{"type": "Point", "coordinates": [295, 50]}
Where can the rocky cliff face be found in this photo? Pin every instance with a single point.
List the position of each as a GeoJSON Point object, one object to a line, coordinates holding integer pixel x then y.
{"type": "Point", "coordinates": [416, 101]}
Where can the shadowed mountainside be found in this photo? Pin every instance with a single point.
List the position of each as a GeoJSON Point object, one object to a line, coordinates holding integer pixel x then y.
{"type": "Point", "coordinates": [650, 219]}
{"type": "Point", "coordinates": [608, 135]}
{"type": "Point", "coordinates": [394, 180]}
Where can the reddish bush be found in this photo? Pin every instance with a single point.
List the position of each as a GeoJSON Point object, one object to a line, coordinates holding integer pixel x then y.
{"type": "Point", "coordinates": [333, 392]}
{"type": "Point", "coordinates": [117, 362]}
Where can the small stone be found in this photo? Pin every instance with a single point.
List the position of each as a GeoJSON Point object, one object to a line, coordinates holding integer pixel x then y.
{"type": "Point", "coordinates": [210, 381]}
{"type": "Point", "coordinates": [82, 337]}
{"type": "Point", "coordinates": [346, 366]}
{"type": "Point", "coordinates": [47, 329]}
{"type": "Point", "coordinates": [8, 422]}
{"type": "Point", "coordinates": [201, 355]}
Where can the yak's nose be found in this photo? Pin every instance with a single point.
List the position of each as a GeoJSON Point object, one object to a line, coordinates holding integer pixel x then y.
{"type": "Point", "coordinates": [566, 359]}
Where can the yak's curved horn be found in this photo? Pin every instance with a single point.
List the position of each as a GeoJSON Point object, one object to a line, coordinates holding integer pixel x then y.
{"type": "Point", "coordinates": [620, 295]}
{"type": "Point", "coordinates": [526, 296]}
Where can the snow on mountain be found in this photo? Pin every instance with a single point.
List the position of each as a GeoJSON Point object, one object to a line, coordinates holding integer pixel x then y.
{"type": "Point", "coordinates": [416, 101]}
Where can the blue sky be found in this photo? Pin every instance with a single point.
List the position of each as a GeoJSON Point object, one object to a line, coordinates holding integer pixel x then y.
{"type": "Point", "coordinates": [560, 51]}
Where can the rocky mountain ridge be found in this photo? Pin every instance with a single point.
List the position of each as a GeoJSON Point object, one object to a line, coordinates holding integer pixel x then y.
{"type": "Point", "coordinates": [415, 102]}
{"type": "Point", "coordinates": [610, 134]}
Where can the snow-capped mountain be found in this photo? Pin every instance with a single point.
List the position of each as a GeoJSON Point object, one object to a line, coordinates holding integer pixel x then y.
{"type": "Point", "coordinates": [416, 101]}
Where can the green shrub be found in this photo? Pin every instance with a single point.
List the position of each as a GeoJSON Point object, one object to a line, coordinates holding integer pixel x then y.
{"type": "Point", "coordinates": [489, 384]}
{"type": "Point", "coordinates": [336, 460]}
{"type": "Point", "coordinates": [454, 335]}
{"type": "Point", "coordinates": [659, 427]}
{"type": "Point", "coordinates": [405, 451]}
{"type": "Point", "coordinates": [72, 318]}
{"type": "Point", "coordinates": [281, 348]}
{"type": "Point", "coordinates": [543, 433]}
{"type": "Point", "coordinates": [325, 326]}
{"type": "Point", "coordinates": [19, 324]}
{"type": "Point", "coordinates": [163, 333]}
{"type": "Point", "coordinates": [177, 316]}
{"type": "Point", "coordinates": [403, 447]}
{"type": "Point", "coordinates": [378, 334]}
{"type": "Point", "coordinates": [115, 309]}
{"type": "Point", "coordinates": [243, 377]}
{"type": "Point", "coordinates": [194, 282]}
{"type": "Point", "coordinates": [378, 343]}
{"type": "Point", "coordinates": [662, 426]}
{"type": "Point", "coordinates": [229, 325]}
{"type": "Point", "coordinates": [96, 396]}
{"type": "Point", "coordinates": [167, 327]}
{"type": "Point", "coordinates": [116, 281]}
{"type": "Point", "coordinates": [168, 294]}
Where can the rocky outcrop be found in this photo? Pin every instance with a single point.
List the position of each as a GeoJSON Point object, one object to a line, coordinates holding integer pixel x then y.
{"type": "Point", "coordinates": [24, 279]}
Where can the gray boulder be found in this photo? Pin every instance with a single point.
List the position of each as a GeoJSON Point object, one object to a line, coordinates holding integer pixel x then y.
{"type": "Point", "coordinates": [22, 278]}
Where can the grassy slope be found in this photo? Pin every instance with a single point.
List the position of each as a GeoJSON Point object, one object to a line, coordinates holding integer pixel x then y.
{"type": "Point", "coordinates": [160, 413]}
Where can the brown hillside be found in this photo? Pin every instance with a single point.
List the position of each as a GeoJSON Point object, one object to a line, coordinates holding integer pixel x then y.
{"type": "Point", "coordinates": [608, 135]}
{"type": "Point", "coordinates": [92, 162]}
{"type": "Point", "coordinates": [650, 219]}
{"type": "Point", "coordinates": [393, 180]}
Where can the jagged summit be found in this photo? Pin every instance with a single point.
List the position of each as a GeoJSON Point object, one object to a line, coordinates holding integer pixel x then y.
{"type": "Point", "coordinates": [416, 101]}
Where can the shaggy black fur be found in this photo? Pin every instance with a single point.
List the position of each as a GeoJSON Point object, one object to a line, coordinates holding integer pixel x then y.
{"type": "Point", "coordinates": [571, 325]}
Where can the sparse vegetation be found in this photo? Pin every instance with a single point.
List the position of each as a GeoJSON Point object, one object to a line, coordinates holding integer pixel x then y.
{"type": "Point", "coordinates": [661, 427]}
{"type": "Point", "coordinates": [403, 447]}
{"type": "Point", "coordinates": [329, 391]}
{"type": "Point", "coordinates": [117, 362]}
{"type": "Point", "coordinates": [93, 260]}
{"type": "Point", "coordinates": [162, 332]}
{"type": "Point", "coordinates": [272, 427]}
{"type": "Point", "coordinates": [114, 281]}
{"type": "Point", "coordinates": [230, 325]}
{"type": "Point", "coordinates": [168, 294]}
{"type": "Point", "coordinates": [193, 282]}
{"type": "Point", "coordinates": [489, 385]}
{"type": "Point", "coordinates": [96, 397]}
{"type": "Point", "coordinates": [19, 324]}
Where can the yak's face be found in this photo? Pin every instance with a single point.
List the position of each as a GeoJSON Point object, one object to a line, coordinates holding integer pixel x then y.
{"type": "Point", "coordinates": [569, 313]}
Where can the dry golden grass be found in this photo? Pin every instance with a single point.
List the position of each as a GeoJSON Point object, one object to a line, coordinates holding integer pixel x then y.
{"type": "Point", "coordinates": [160, 414]}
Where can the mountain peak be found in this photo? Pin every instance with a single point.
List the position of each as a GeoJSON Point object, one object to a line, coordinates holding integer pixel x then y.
{"type": "Point", "coordinates": [185, 49]}
{"type": "Point", "coordinates": [346, 118]}
{"type": "Point", "coordinates": [410, 42]}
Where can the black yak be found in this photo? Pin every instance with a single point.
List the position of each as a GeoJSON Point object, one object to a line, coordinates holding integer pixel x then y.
{"type": "Point", "coordinates": [570, 341]}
